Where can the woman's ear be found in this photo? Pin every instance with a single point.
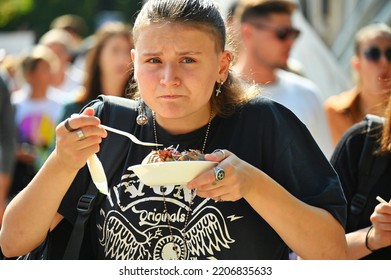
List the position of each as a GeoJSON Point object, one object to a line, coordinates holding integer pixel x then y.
{"type": "Point", "coordinates": [225, 63]}
{"type": "Point", "coordinates": [132, 54]}
{"type": "Point", "coordinates": [356, 65]}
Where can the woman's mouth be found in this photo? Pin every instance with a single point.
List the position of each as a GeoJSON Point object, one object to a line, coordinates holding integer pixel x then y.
{"type": "Point", "coordinates": [384, 78]}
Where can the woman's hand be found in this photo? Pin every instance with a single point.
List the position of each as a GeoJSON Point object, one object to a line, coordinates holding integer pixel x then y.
{"type": "Point", "coordinates": [82, 138]}
{"type": "Point", "coordinates": [380, 235]}
{"type": "Point", "coordinates": [233, 186]}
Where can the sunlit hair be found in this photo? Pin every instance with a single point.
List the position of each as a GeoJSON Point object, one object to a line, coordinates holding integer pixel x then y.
{"type": "Point", "coordinates": [205, 16]}
{"type": "Point", "coordinates": [375, 30]}
{"type": "Point", "coordinates": [29, 63]}
{"type": "Point", "coordinates": [92, 82]}
{"type": "Point", "coordinates": [385, 142]}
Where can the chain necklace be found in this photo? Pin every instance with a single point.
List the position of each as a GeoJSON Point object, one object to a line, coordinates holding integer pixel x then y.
{"type": "Point", "coordinates": [163, 191]}
{"type": "Point", "coordinates": [206, 134]}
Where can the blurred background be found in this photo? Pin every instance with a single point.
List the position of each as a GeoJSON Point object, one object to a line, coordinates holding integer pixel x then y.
{"type": "Point", "coordinates": [322, 52]}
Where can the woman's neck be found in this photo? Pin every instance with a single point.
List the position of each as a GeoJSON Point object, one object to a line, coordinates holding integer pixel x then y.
{"type": "Point", "coordinates": [373, 103]}
{"type": "Point", "coordinates": [184, 125]}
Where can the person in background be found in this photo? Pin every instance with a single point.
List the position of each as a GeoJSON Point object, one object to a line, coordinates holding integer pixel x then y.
{"type": "Point", "coordinates": [76, 27]}
{"type": "Point", "coordinates": [7, 141]}
{"type": "Point", "coordinates": [368, 233]}
{"type": "Point", "coordinates": [59, 41]}
{"type": "Point", "coordinates": [272, 187]}
{"type": "Point", "coordinates": [266, 35]}
{"type": "Point", "coordinates": [36, 115]}
{"type": "Point", "coordinates": [107, 66]}
{"type": "Point", "coordinates": [372, 64]}
{"type": "Point", "coordinates": [8, 70]}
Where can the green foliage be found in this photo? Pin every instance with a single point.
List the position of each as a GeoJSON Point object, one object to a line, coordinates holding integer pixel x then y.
{"type": "Point", "coordinates": [37, 15]}
{"type": "Point", "coordinates": [10, 9]}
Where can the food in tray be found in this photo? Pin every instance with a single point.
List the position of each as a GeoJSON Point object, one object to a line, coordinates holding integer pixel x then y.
{"type": "Point", "coordinates": [172, 154]}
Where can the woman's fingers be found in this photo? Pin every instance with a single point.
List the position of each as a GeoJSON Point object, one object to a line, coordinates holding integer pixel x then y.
{"type": "Point", "coordinates": [77, 121]}
{"type": "Point", "coordinates": [223, 181]}
{"type": "Point", "coordinates": [79, 137]}
{"type": "Point", "coordinates": [218, 155]}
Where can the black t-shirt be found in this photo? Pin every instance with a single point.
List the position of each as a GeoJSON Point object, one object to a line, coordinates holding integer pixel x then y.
{"type": "Point", "coordinates": [130, 223]}
{"type": "Point", "coordinates": [346, 162]}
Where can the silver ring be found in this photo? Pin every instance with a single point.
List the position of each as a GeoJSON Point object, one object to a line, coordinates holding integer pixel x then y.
{"type": "Point", "coordinates": [80, 134]}
{"type": "Point", "coordinates": [219, 199]}
{"type": "Point", "coordinates": [219, 173]}
{"type": "Point", "coordinates": [221, 151]}
{"type": "Point", "coordinates": [68, 127]}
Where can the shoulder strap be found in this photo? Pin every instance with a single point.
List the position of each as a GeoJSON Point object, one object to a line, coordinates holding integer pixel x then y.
{"type": "Point", "coordinates": [118, 114]}
{"type": "Point", "coordinates": [369, 169]}
{"type": "Point", "coordinates": [84, 208]}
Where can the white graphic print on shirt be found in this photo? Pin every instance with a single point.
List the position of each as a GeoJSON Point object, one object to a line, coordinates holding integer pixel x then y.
{"type": "Point", "coordinates": [136, 227]}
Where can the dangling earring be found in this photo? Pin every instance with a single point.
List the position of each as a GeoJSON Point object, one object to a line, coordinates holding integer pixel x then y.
{"type": "Point", "coordinates": [218, 89]}
{"type": "Point", "coordinates": [142, 118]}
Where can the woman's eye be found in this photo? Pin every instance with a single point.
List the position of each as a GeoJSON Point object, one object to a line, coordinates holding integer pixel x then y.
{"type": "Point", "coordinates": [154, 60]}
{"type": "Point", "coordinates": [188, 60]}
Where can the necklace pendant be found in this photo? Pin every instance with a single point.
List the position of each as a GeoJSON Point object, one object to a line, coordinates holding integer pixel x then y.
{"type": "Point", "coordinates": [185, 235]}
{"type": "Point", "coordinates": [142, 119]}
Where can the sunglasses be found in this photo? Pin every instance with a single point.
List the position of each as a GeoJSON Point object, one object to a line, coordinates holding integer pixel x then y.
{"type": "Point", "coordinates": [374, 54]}
{"type": "Point", "coordinates": [282, 33]}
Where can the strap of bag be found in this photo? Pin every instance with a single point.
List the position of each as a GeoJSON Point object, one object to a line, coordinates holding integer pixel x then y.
{"type": "Point", "coordinates": [113, 154]}
{"type": "Point", "coordinates": [370, 169]}
{"type": "Point", "coordinates": [84, 208]}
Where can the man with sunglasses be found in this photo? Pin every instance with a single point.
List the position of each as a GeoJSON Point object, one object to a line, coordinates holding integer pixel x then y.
{"type": "Point", "coordinates": [372, 64]}
{"type": "Point", "coordinates": [266, 36]}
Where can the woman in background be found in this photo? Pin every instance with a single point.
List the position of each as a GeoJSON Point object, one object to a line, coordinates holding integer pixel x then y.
{"type": "Point", "coordinates": [107, 66]}
{"type": "Point", "coordinates": [372, 64]}
{"type": "Point", "coordinates": [368, 233]}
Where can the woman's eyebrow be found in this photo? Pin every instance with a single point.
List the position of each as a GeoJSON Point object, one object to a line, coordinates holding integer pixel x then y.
{"type": "Point", "coordinates": [177, 53]}
{"type": "Point", "coordinates": [189, 53]}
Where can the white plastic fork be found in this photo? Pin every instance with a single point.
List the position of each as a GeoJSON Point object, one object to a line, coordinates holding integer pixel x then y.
{"type": "Point", "coordinates": [96, 168]}
{"type": "Point", "coordinates": [130, 136]}
{"type": "Point", "coordinates": [98, 174]}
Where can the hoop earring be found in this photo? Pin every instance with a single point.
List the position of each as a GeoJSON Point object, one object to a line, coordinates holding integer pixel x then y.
{"type": "Point", "coordinates": [218, 89]}
{"type": "Point", "coordinates": [142, 118]}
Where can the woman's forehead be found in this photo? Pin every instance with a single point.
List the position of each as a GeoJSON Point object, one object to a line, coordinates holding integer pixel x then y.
{"type": "Point", "coordinates": [181, 36]}
{"type": "Point", "coordinates": [375, 38]}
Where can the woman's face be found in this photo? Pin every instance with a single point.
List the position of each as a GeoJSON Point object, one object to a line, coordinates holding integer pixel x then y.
{"type": "Point", "coordinates": [375, 75]}
{"type": "Point", "coordinates": [115, 58]}
{"type": "Point", "coordinates": [176, 67]}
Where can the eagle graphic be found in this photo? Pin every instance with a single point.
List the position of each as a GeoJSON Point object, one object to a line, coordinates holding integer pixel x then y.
{"type": "Point", "coordinates": [205, 234]}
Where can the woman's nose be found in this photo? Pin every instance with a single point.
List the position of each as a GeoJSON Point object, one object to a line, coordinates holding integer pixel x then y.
{"type": "Point", "coordinates": [170, 76]}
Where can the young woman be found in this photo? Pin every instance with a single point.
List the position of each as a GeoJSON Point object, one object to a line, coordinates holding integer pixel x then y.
{"type": "Point", "coordinates": [273, 188]}
{"type": "Point", "coordinates": [368, 234]}
{"type": "Point", "coordinates": [107, 66]}
{"type": "Point", "coordinates": [372, 64]}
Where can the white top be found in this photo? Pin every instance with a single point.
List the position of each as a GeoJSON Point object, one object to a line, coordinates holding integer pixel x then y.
{"type": "Point", "coordinates": [302, 97]}
{"type": "Point", "coordinates": [36, 119]}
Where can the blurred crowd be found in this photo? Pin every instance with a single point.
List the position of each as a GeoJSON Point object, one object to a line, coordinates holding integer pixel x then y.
{"type": "Point", "coordinates": [64, 71]}
{"type": "Point", "coordinates": [55, 79]}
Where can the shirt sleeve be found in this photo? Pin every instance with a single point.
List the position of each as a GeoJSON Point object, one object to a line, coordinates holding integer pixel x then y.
{"type": "Point", "coordinates": [298, 164]}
